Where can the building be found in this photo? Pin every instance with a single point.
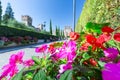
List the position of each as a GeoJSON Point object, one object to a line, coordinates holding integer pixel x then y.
{"type": "Point", "coordinates": [27, 20]}
{"type": "Point", "coordinates": [53, 32]}
{"type": "Point", "coordinates": [40, 27]}
{"type": "Point", "coordinates": [67, 30]}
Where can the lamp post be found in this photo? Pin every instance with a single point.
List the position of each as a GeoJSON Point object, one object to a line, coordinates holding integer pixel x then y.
{"type": "Point", "coordinates": [74, 13]}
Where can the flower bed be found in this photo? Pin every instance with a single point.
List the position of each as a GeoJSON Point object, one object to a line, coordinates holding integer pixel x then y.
{"type": "Point", "coordinates": [93, 55]}
{"type": "Point", "coordinates": [16, 41]}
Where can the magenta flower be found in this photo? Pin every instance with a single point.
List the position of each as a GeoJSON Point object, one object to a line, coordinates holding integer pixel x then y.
{"type": "Point", "coordinates": [10, 70]}
{"type": "Point", "coordinates": [111, 72]}
{"type": "Point", "coordinates": [67, 51]}
{"type": "Point", "coordinates": [28, 63]}
{"type": "Point", "coordinates": [65, 67]}
{"type": "Point", "coordinates": [41, 49]}
{"type": "Point", "coordinates": [111, 53]}
{"type": "Point", "coordinates": [16, 58]}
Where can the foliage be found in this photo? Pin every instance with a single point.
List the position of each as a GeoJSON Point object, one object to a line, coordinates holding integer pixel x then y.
{"type": "Point", "coordinates": [11, 32]}
{"type": "Point", "coordinates": [57, 31]}
{"type": "Point", "coordinates": [0, 12]}
{"type": "Point", "coordinates": [9, 14]}
{"type": "Point", "coordinates": [67, 75]}
{"type": "Point", "coordinates": [16, 24]}
{"type": "Point", "coordinates": [50, 27]}
{"type": "Point", "coordinates": [89, 56]}
{"type": "Point", "coordinates": [99, 11]}
{"type": "Point", "coordinates": [6, 17]}
{"type": "Point", "coordinates": [9, 11]}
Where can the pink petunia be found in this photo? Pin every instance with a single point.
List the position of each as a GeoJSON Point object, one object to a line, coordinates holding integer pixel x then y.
{"type": "Point", "coordinates": [16, 58]}
{"type": "Point", "coordinates": [67, 51]}
{"type": "Point", "coordinates": [11, 68]}
{"type": "Point", "coordinates": [111, 71]}
{"type": "Point", "coordinates": [65, 67]}
{"type": "Point", "coordinates": [28, 63]}
{"type": "Point", "coordinates": [41, 49]}
{"type": "Point", "coordinates": [111, 53]}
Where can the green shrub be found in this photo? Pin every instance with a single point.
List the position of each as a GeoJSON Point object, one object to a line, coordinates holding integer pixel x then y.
{"type": "Point", "coordinates": [11, 32]}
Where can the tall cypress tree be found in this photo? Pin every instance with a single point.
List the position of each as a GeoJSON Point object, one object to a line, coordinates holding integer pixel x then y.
{"type": "Point", "coordinates": [63, 34]}
{"type": "Point", "coordinates": [9, 14]}
{"type": "Point", "coordinates": [0, 12]}
{"type": "Point", "coordinates": [56, 31]}
{"type": "Point", "coordinates": [50, 27]}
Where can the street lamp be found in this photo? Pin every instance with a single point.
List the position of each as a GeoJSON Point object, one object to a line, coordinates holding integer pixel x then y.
{"type": "Point", "coordinates": [44, 25]}
{"type": "Point", "coordinates": [74, 13]}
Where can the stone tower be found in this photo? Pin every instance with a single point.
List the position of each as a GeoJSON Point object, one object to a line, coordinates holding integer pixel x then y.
{"type": "Point", "coordinates": [27, 20]}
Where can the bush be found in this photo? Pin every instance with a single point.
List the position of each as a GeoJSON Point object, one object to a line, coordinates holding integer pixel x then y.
{"type": "Point", "coordinates": [11, 32]}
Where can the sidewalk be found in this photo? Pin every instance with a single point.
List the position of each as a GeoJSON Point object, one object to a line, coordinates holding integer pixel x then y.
{"type": "Point", "coordinates": [7, 49]}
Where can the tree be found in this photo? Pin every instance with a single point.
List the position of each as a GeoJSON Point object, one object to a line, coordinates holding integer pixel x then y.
{"type": "Point", "coordinates": [63, 34]}
{"type": "Point", "coordinates": [99, 11]}
{"type": "Point", "coordinates": [0, 12]}
{"type": "Point", "coordinates": [56, 31]}
{"type": "Point", "coordinates": [50, 27]}
{"type": "Point", "coordinates": [9, 14]}
{"type": "Point", "coordinates": [59, 31]}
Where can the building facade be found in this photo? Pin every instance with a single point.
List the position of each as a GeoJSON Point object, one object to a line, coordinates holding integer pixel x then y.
{"type": "Point", "coordinates": [67, 30]}
{"type": "Point", "coordinates": [40, 27]}
{"type": "Point", "coordinates": [27, 20]}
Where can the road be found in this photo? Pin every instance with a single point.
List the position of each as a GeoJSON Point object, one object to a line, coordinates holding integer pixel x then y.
{"type": "Point", "coordinates": [29, 51]}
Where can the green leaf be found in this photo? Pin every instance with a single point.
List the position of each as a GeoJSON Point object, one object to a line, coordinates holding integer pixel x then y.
{"type": "Point", "coordinates": [18, 76]}
{"type": "Point", "coordinates": [81, 61]}
{"type": "Point", "coordinates": [111, 43]}
{"type": "Point", "coordinates": [86, 56]}
{"type": "Point", "coordinates": [66, 75]}
{"type": "Point", "coordinates": [101, 64]}
{"type": "Point", "coordinates": [40, 76]}
{"type": "Point", "coordinates": [49, 78]}
{"type": "Point", "coordinates": [36, 60]}
{"type": "Point", "coordinates": [97, 31]}
{"type": "Point", "coordinates": [89, 25]}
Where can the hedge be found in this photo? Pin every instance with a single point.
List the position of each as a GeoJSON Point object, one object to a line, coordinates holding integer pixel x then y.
{"type": "Point", "coordinates": [10, 32]}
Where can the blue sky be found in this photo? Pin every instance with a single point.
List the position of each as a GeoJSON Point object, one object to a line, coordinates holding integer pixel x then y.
{"type": "Point", "coordinates": [59, 11]}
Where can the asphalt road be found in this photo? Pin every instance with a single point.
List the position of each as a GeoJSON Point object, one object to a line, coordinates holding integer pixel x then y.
{"type": "Point", "coordinates": [29, 52]}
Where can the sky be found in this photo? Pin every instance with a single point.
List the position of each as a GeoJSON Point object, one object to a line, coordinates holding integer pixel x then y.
{"type": "Point", "coordinates": [59, 11]}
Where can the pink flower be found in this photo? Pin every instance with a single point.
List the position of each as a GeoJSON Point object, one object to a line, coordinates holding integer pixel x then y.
{"type": "Point", "coordinates": [103, 38]}
{"type": "Point", "coordinates": [41, 49]}
{"type": "Point", "coordinates": [67, 51]}
{"type": "Point", "coordinates": [10, 70]}
{"type": "Point", "coordinates": [84, 46]}
{"type": "Point", "coordinates": [65, 67]}
{"type": "Point", "coordinates": [111, 72]}
{"type": "Point", "coordinates": [111, 53]}
{"type": "Point", "coordinates": [29, 62]}
{"type": "Point", "coordinates": [16, 58]}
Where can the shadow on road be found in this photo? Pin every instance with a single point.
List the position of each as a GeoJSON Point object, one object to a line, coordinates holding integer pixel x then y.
{"type": "Point", "coordinates": [4, 50]}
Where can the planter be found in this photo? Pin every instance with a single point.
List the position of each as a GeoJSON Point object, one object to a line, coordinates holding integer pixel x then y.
{"type": "Point", "coordinates": [1, 43]}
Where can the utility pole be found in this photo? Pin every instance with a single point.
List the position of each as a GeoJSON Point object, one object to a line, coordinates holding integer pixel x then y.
{"type": "Point", "coordinates": [74, 13]}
